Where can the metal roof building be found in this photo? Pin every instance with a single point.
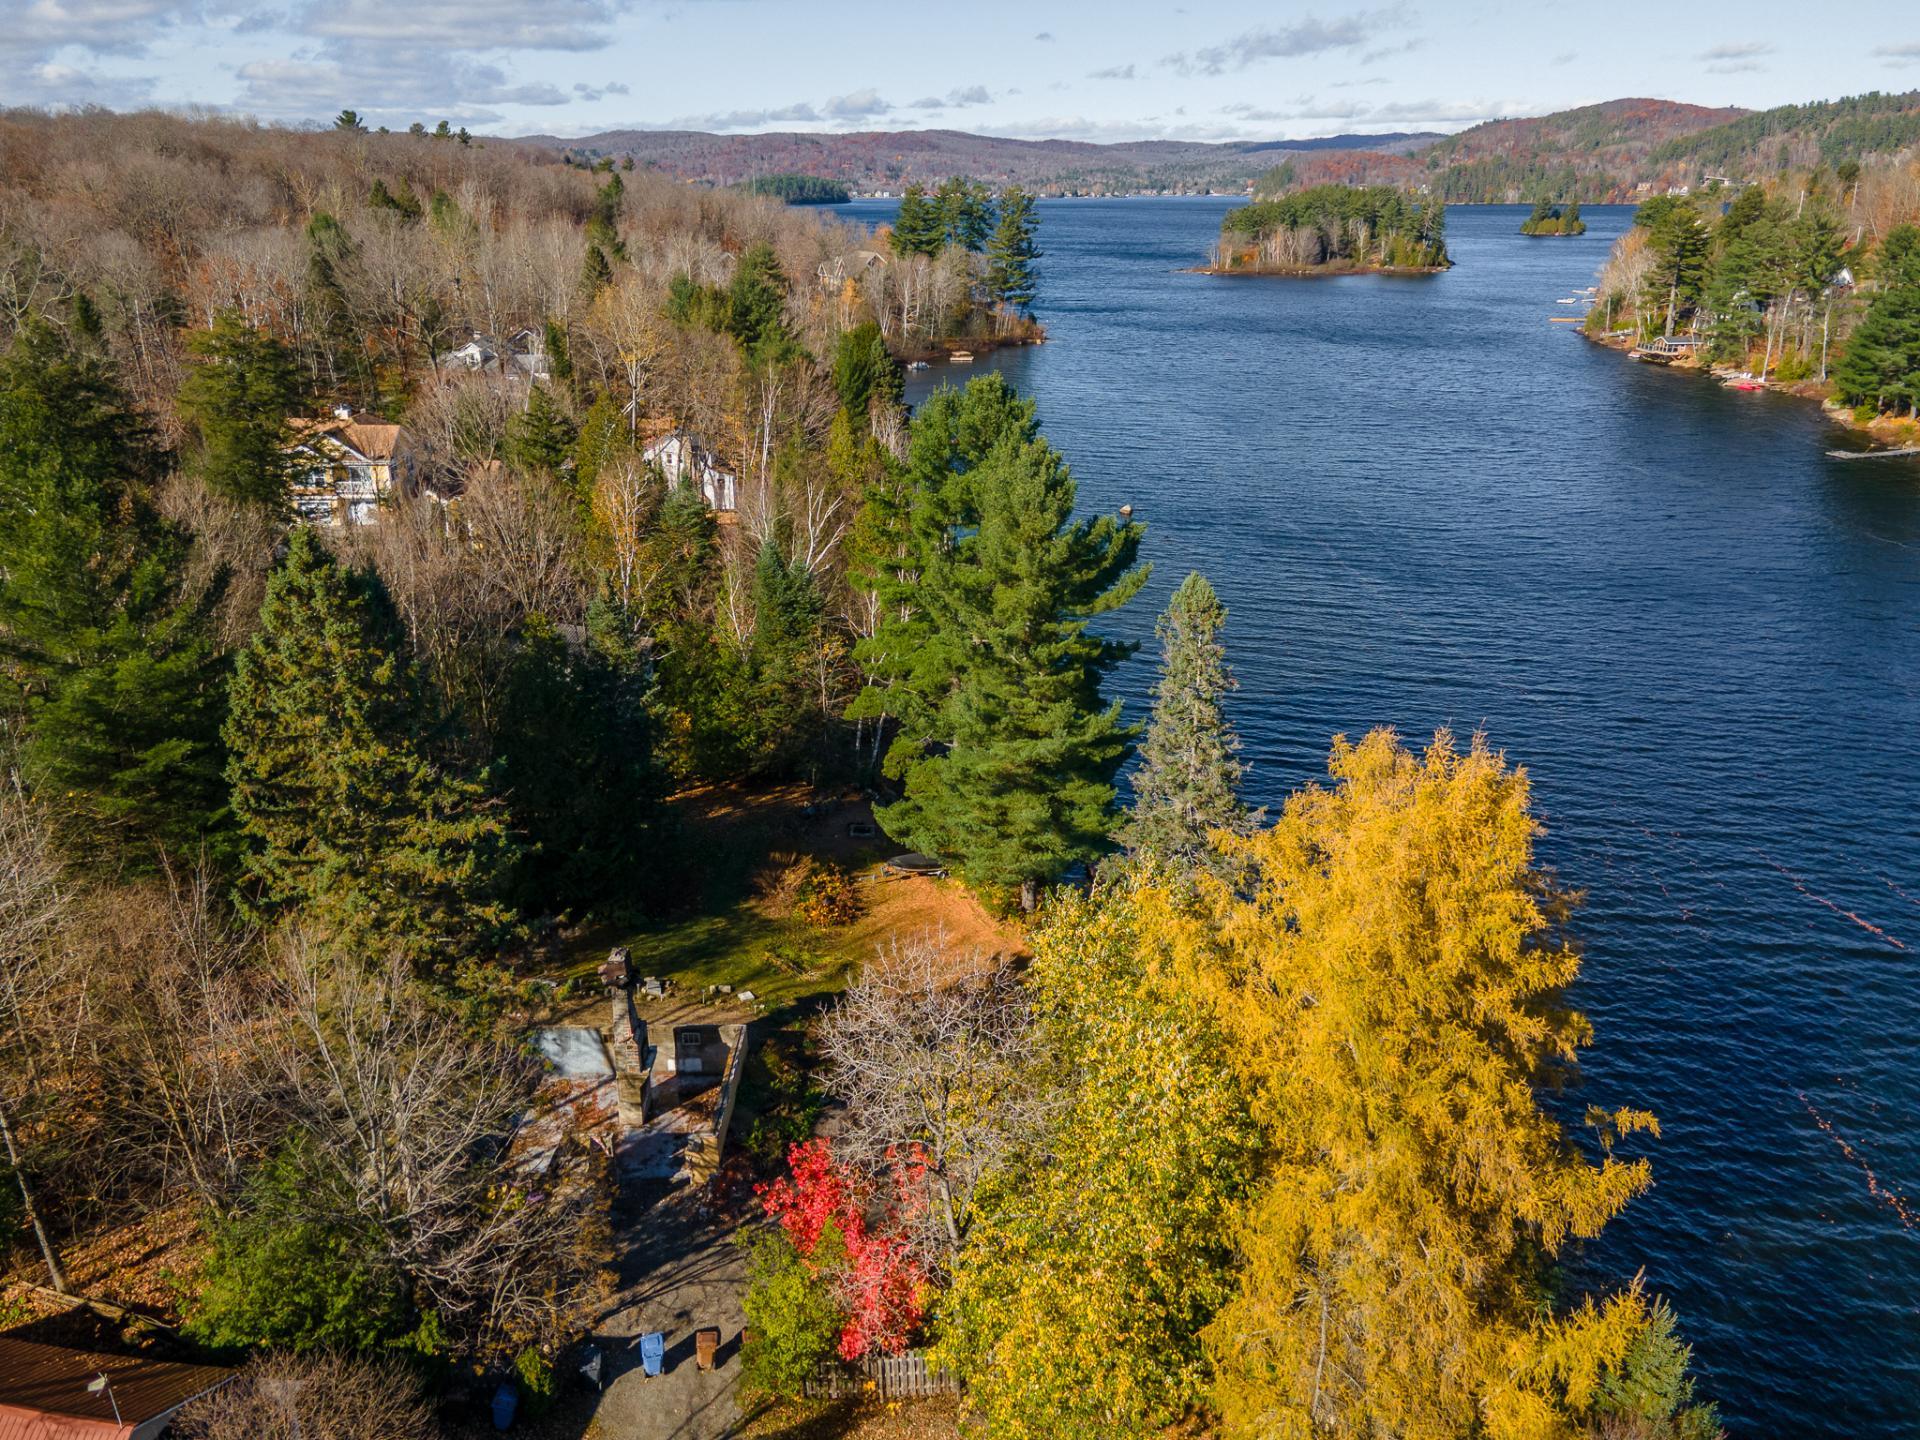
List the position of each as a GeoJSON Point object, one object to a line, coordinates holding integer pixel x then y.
{"type": "Point", "coordinates": [48, 1392]}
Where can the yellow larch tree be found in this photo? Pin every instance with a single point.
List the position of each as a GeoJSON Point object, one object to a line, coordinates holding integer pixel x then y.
{"type": "Point", "coordinates": [1390, 972]}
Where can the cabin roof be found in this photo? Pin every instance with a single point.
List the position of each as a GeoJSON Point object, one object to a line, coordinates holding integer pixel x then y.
{"type": "Point", "coordinates": [42, 1383]}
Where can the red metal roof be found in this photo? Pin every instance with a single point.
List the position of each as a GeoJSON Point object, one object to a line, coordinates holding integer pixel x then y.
{"type": "Point", "coordinates": [44, 1395]}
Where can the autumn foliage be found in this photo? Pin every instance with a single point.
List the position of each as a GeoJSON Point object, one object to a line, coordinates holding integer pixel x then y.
{"type": "Point", "coordinates": [850, 1235]}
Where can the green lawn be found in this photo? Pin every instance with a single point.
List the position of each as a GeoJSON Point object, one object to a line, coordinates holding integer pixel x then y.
{"type": "Point", "coordinates": [785, 963]}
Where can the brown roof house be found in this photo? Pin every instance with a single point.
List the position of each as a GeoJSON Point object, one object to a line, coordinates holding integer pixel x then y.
{"type": "Point", "coordinates": [48, 1392]}
{"type": "Point", "coordinates": [345, 465]}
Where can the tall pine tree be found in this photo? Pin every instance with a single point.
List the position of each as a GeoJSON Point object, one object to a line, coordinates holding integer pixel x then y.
{"type": "Point", "coordinates": [110, 662]}
{"type": "Point", "coordinates": [1187, 786]}
{"type": "Point", "coordinates": [1012, 251]}
{"type": "Point", "coordinates": [918, 228]}
{"type": "Point", "coordinates": [1012, 778]}
{"type": "Point", "coordinates": [904, 532]}
{"type": "Point", "coordinates": [345, 814]}
{"type": "Point", "coordinates": [1882, 365]}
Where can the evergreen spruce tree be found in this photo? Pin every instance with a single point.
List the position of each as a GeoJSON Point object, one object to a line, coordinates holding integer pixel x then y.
{"type": "Point", "coordinates": [568, 713]}
{"type": "Point", "coordinates": [1014, 782]}
{"type": "Point", "coordinates": [236, 402]}
{"type": "Point", "coordinates": [540, 439]}
{"type": "Point", "coordinates": [756, 306]}
{"type": "Point", "coordinates": [1187, 785]}
{"type": "Point", "coordinates": [1010, 255]}
{"type": "Point", "coordinates": [343, 812]}
{"type": "Point", "coordinates": [864, 369]}
{"type": "Point", "coordinates": [108, 660]}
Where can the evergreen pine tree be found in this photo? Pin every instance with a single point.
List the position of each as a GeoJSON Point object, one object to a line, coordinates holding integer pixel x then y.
{"type": "Point", "coordinates": [1882, 365]}
{"type": "Point", "coordinates": [1017, 782]}
{"type": "Point", "coordinates": [963, 213]}
{"type": "Point", "coordinates": [917, 228]}
{"type": "Point", "coordinates": [236, 402]}
{"type": "Point", "coordinates": [540, 439]}
{"type": "Point", "coordinates": [756, 306]}
{"type": "Point", "coordinates": [109, 661]}
{"type": "Point", "coordinates": [343, 812]}
{"type": "Point", "coordinates": [864, 369]}
{"type": "Point", "coordinates": [1187, 785]}
{"type": "Point", "coordinates": [903, 535]}
{"type": "Point", "coordinates": [570, 712]}
{"type": "Point", "coordinates": [595, 273]}
{"type": "Point", "coordinates": [1010, 255]}
{"type": "Point", "coordinates": [603, 225]}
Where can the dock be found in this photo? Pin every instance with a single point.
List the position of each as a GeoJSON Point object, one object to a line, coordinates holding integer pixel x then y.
{"type": "Point", "coordinates": [1905, 451]}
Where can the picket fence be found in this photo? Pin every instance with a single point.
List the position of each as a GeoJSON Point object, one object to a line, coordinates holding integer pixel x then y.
{"type": "Point", "coordinates": [889, 1377]}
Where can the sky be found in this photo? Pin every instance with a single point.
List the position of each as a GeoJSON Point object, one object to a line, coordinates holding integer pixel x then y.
{"type": "Point", "coordinates": [1112, 70]}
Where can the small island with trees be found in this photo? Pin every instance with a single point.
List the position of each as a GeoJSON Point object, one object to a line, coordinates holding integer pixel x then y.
{"type": "Point", "coordinates": [800, 189]}
{"type": "Point", "coordinates": [1550, 219]}
{"type": "Point", "coordinates": [1334, 229]}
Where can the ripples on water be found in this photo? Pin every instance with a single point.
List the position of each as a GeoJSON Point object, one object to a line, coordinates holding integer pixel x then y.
{"type": "Point", "coordinates": [1428, 506]}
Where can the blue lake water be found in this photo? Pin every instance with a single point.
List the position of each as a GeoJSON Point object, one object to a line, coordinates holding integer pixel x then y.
{"type": "Point", "coordinates": [1426, 505]}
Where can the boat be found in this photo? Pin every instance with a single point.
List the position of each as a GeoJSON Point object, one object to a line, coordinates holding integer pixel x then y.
{"type": "Point", "coordinates": [961, 357]}
{"type": "Point", "coordinates": [917, 365]}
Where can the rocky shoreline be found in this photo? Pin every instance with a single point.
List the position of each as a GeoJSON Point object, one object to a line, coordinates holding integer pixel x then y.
{"type": "Point", "coordinates": [1310, 272]}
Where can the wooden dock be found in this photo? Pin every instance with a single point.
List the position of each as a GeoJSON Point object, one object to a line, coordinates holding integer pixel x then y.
{"type": "Point", "coordinates": [1905, 451]}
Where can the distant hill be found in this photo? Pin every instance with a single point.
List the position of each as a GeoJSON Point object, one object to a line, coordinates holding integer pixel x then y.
{"type": "Point", "coordinates": [1596, 152]}
{"type": "Point", "coordinates": [1613, 151]}
{"type": "Point", "coordinates": [1822, 133]}
{"type": "Point", "coordinates": [887, 160]}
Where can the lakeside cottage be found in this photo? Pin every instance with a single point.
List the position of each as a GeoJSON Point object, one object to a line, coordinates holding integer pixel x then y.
{"type": "Point", "coordinates": [345, 465]}
{"type": "Point", "coordinates": [685, 460]}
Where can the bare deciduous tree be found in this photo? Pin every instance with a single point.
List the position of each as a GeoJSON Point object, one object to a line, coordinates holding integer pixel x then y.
{"type": "Point", "coordinates": [933, 1062]}
{"type": "Point", "coordinates": [414, 1113]}
{"type": "Point", "coordinates": [33, 903]}
{"type": "Point", "coordinates": [312, 1397]}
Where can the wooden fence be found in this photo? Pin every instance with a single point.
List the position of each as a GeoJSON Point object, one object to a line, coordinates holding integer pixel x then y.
{"type": "Point", "coordinates": [889, 1377]}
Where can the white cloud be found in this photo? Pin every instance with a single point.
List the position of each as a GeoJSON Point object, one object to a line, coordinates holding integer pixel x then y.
{"type": "Point", "coordinates": [1739, 50]}
{"type": "Point", "coordinates": [1309, 36]}
{"type": "Point", "coordinates": [1898, 57]}
{"type": "Point", "coordinates": [856, 105]}
{"type": "Point", "coordinates": [452, 87]}
{"type": "Point", "coordinates": [464, 24]}
{"type": "Point", "coordinates": [1112, 72]}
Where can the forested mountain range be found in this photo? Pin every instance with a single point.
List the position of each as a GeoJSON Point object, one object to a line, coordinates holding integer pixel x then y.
{"type": "Point", "coordinates": [1610, 151]}
{"type": "Point", "coordinates": [870, 161]}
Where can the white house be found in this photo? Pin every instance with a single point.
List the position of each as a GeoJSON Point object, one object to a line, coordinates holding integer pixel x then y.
{"type": "Point", "coordinates": [684, 460]}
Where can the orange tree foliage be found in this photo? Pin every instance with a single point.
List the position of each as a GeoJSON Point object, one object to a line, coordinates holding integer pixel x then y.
{"type": "Point", "coordinates": [1389, 974]}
